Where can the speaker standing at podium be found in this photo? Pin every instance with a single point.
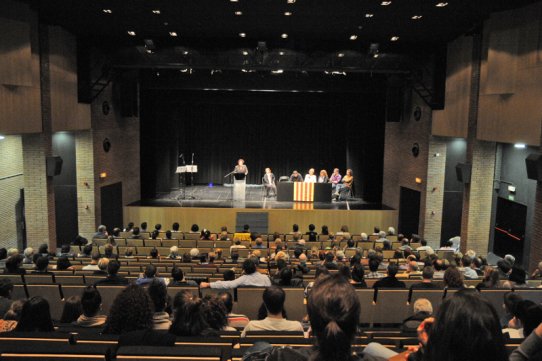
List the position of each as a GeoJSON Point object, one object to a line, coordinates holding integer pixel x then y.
{"type": "Point", "coordinates": [240, 178]}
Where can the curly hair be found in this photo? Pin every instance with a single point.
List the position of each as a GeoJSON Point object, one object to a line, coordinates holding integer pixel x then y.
{"type": "Point", "coordinates": [215, 313]}
{"type": "Point", "coordinates": [453, 278]}
{"type": "Point", "coordinates": [132, 310]}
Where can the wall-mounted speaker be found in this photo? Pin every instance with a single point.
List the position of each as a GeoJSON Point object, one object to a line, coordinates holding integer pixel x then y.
{"type": "Point", "coordinates": [53, 166]}
{"type": "Point", "coordinates": [463, 172]}
{"type": "Point", "coordinates": [534, 166]}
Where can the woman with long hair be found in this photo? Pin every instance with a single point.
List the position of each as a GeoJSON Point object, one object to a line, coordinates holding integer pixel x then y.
{"type": "Point", "coordinates": [35, 316]}
{"type": "Point", "coordinates": [131, 310]}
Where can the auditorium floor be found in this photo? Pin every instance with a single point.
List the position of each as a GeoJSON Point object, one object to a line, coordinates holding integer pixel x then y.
{"type": "Point", "coordinates": [221, 197]}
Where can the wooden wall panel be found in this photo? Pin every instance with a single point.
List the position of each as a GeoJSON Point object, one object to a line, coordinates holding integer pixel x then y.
{"type": "Point", "coordinates": [67, 114]}
{"type": "Point", "coordinates": [280, 220]}
{"type": "Point", "coordinates": [453, 120]}
{"type": "Point", "coordinates": [15, 53]}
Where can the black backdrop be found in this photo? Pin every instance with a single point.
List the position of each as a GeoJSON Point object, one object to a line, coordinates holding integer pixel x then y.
{"type": "Point", "coordinates": [284, 131]}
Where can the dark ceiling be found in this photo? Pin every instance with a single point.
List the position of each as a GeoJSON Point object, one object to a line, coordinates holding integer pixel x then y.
{"type": "Point", "coordinates": [313, 24]}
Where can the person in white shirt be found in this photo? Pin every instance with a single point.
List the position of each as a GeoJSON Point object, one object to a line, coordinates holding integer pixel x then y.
{"type": "Point", "coordinates": [251, 278]}
{"type": "Point", "coordinates": [424, 247]}
{"type": "Point", "coordinates": [468, 272]}
{"type": "Point", "coordinates": [273, 300]}
{"type": "Point", "coordinates": [311, 177]}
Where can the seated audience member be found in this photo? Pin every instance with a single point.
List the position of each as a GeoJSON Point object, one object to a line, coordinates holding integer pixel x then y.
{"type": "Point", "coordinates": [101, 233]}
{"type": "Point", "coordinates": [510, 259]}
{"type": "Point", "coordinates": [178, 279]}
{"type": "Point", "coordinates": [517, 278]}
{"type": "Point", "coordinates": [194, 254]}
{"type": "Point", "coordinates": [91, 302]}
{"type": "Point", "coordinates": [116, 232]}
{"type": "Point", "coordinates": [157, 227]}
{"type": "Point", "coordinates": [273, 299]}
{"type": "Point", "coordinates": [259, 243]}
{"type": "Point", "coordinates": [158, 292]}
{"type": "Point", "coordinates": [102, 267]}
{"type": "Point", "coordinates": [228, 275]}
{"type": "Point", "coordinates": [42, 266]}
{"type": "Point", "coordinates": [234, 320]}
{"type": "Point", "coordinates": [237, 245]}
{"type": "Point", "coordinates": [313, 235]}
{"type": "Point", "coordinates": [136, 234]}
{"type": "Point", "coordinates": [129, 227]}
{"type": "Point", "coordinates": [86, 252]}
{"type": "Point", "coordinates": [131, 317]}
{"type": "Point", "coordinates": [143, 226]}
{"type": "Point", "coordinates": [150, 274]}
{"type": "Point", "coordinates": [173, 252]}
{"type": "Point", "coordinates": [250, 278]}
{"type": "Point", "coordinates": [35, 316]}
{"type": "Point", "coordinates": [373, 269]}
{"type": "Point", "coordinates": [43, 250]}
{"type": "Point", "coordinates": [310, 177]}
{"type": "Point", "coordinates": [72, 310]}
{"type": "Point", "coordinates": [194, 228]}
{"type": "Point", "coordinates": [427, 279]}
{"type": "Point", "coordinates": [111, 240]}
{"type": "Point", "coordinates": [28, 254]}
{"type": "Point", "coordinates": [537, 273]}
{"type": "Point", "coordinates": [468, 272]}
{"type": "Point", "coordinates": [447, 246]}
{"type": "Point", "coordinates": [64, 264]}
{"type": "Point", "coordinates": [296, 177]}
{"type": "Point", "coordinates": [14, 265]}
{"type": "Point", "coordinates": [205, 235]}
{"type": "Point", "coordinates": [79, 241]}
{"type": "Point", "coordinates": [325, 230]}
{"type": "Point", "coordinates": [6, 288]}
{"type": "Point", "coordinates": [108, 251]}
{"type": "Point", "coordinates": [329, 261]}
{"type": "Point", "coordinates": [358, 276]}
{"type": "Point", "coordinates": [424, 247]}
{"type": "Point", "coordinates": [422, 309]}
{"type": "Point", "coordinates": [112, 275]}
{"type": "Point", "coordinates": [169, 235]}
{"type": "Point", "coordinates": [490, 280]}
{"type": "Point", "coordinates": [530, 316]}
{"type": "Point", "coordinates": [453, 278]}
{"type": "Point", "coordinates": [321, 271]}
{"type": "Point", "coordinates": [286, 279]}
{"type": "Point", "coordinates": [65, 250]}
{"type": "Point", "coordinates": [175, 227]}
{"type": "Point", "coordinates": [194, 317]}
{"type": "Point", "coordinates": [510, 302]}
{"type": "Point", "coordinates": [504, 269]}
{"type": "Point", "coordinates": [390, 281]}
{"type": "Point", "coordinates": [12, 316]}
{"type": "Point", "coordinates": [153, 254]}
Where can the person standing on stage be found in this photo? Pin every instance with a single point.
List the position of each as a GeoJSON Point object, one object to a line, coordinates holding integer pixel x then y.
{"type": "Point", "coordinates": [311, 177]}
{"type": "Point", "coordinates": [268, 182]}
{"type": "Point", "coordinates": [323, 178]}
{"type": "Point", "coordinates": [296, 177]}
{"type": "Point", "coordinates": [335, 178]}
{"type": "Point", "coordinates": [241, 167]}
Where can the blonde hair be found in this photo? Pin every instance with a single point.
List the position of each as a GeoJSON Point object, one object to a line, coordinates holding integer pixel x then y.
{"type": "Point", "coordinates": [423, 305]}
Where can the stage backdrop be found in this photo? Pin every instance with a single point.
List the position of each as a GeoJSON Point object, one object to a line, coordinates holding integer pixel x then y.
{"type": "Point", "coordinates": [283, 131]}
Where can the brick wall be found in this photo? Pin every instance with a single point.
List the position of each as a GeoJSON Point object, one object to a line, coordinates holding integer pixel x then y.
{"type": "Point", "coordinates": [85, 180]}
{"type": "Point", "coordinates": [11, 182]}
{"type": "Point", "coordinates": [121, 163]}
{"type": "Point", "coordinates": [434, 199]}
{"type": "Point", "coordinates": [400, 167]}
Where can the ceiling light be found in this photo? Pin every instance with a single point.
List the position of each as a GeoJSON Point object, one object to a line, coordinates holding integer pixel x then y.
{"type": "Point", "coordinates": [185, 52]}
{"type": "Point", "coordinates": [281, 53]}
{"type": "Point", "coordinates": [131, 33]}
{"type": "Point", "coordinates": [172, 33]}
{"type": "Point", "coordinates": [394, 38]}
{"type": "Point", "coordinates": [441, 4]}
{"type": "Point", "coordinates": [416, 17]}
{"type": "Point", "coordinates": [156, 11]}
{"type": "Point", "coordinates": [243, 35]}
{"type": "Point", "coordinates": [291, 1]}
{"type": "Point", "coordinates": [2, 137]}
{"type": "Point", "coordinates": [284, 36]}
{"type": "Point", "coordinates": [107, 11]}
{"type": "Point", "coordinates": [149, 51]}
{"type": "Point", "coordinates": [353, 37]}
{"type": "Point", "coordinates": [376, 55]}
{"type": "Point", "coordinates": [340, 55]}
{"type": "Point", "coordinates": [287, 13]}
{"type": "Point", "coordinates": [385, 3]}
{"type": "Point", "coordinates": [369, 15]}
{"type": "Point", "coordinates": [278, 71]}
{"type": "Point", "coordinates": [238, 13]}
{"type": "Point", "coordinates": [245, 53]}
{"type": "Point", "coordinates": [234, 1]}
{"type": "Point", "coordinates": [520, 145]}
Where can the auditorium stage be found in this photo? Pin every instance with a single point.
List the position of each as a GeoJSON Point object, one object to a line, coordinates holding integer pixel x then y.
{"type": "Point", "coordinates": [212, 207]}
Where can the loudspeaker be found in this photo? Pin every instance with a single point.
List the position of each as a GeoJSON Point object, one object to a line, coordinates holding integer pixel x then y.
{"type": "Point", "coordinates": [53, 165]}
{"type": "Point", "coordinates": [463, 172]}
{"type": "Point", "coordinates": [534, 166]}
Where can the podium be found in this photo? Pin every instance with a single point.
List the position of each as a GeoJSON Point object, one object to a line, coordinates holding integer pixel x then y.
{"type": "Point", "coordinates": [239, 186]}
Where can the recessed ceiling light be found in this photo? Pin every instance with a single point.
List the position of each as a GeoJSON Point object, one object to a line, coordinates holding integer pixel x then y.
{"type": "Point", "coordinates": [156, 11]}
{"type": "Point", "coordinates": [340, 55]}
{"type": "Point", "coordinates": [278, 71]}
{"type": "Point", "coordinates": [375, 55]}
{"type": "Point", "coordinates": [416, 17]}
{"type": "Point", "coordinates": [234, 1]}
{"type": "Point", "coordinates": [520, 145]}
{"type": "Point", "coordinates": [385, 3]}
{"type": "Point", "coordinates": [287, 13]}
{"type": "Point", "coordinates": [394, 38]}
{"type": "Point", "coordinates": [243, 35]}
{"type": "Point", "coordinates": [441, 4]}
{"type": "Point", "coordinates": [245, 53]}
{"type": "Point", "coordinates": [238, 13]}
{"type": "Point", "coordinates": [185, 52]}
{"type": "Point", "coordinates": [131, 33]}
{"type": "Point", "coordinates": [353, 37]}
{"type": "Point", "coordinates": [149, 51]}
{"type": "Point", "coordinates": [284, 36]}
{"type": "Point", "coordinates": [369, 15]}
{"type": "Point", "coordinates": [291, 1]}
{"type": "Point", "coordinates": [107, 11]}
{"type": "Point", "coordinates": [172, 33]}
{"type": "Point", "coordinates": [281, 52]}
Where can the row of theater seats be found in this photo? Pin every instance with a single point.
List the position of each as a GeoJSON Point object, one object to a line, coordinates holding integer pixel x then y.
{"type": "Point", "coordinates": [228, 346]}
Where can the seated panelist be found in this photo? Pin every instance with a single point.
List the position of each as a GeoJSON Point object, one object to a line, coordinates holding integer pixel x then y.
{"type": "Point", "coordinates": [310, 177]}
{"type": "Point", "coordinates": [296, 177]}
{"type": "Point", "coordinates": [268, 181]}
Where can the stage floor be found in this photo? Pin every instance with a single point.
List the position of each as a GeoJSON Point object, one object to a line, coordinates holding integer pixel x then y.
{"type": "Point", "coordinates": [200, 196]}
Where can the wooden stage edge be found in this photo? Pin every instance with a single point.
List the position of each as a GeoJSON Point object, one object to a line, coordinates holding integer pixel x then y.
{"type": "Point", "coordinates": [280, 220]}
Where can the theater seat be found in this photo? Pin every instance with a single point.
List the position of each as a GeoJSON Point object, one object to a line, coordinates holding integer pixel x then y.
{"type": "Point", "coordinates": [151, 353]}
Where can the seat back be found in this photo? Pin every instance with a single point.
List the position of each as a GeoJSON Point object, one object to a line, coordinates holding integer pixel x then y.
{"type": "Point", "coordinates": [249, 301]}
{"type": "Point", "coordinates": [108, 293]}
{"type": "Point", "coordinates": [132, 242]}
{"type": "Point", "coordinates": [391, 305]}
{"type": "Point", "coordinates": [151, 353]}
{"type": "Point", "coordinates": [19, 292]}
{"type": "Point", "coordinates": [496, 298]}
{"type": "Point", "coordinates": [38, 279]}
{"type": "Point", "coordinates": [295, 303]}
{"type": "Point", "coordinates": [52, 294]}
{"type": "Point", "coordinates": [172, 291]}
{"type": "Point", "coordinates": [366, 299]}
{"type": "Point", "coordinates": [70, 280]}
{"type": "Point", "coordinates": [15, 279]}
{"type": "Point", "coordinates": [533, 294]}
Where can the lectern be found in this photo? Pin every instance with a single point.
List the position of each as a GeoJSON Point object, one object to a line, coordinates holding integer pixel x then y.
{"type": "Point", "coordinates": [239, 186]}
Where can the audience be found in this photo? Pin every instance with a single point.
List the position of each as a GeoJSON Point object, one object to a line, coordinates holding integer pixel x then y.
{"type": "Point", "coordinates": [158, 292]}
{"type": "Point", "coordinates": [112, 275]}
{"type": "Point", "coordinates": [251, 278]}
{"type": "Point", "coordinates": [427, 279]}
{"type": "Point", "coordinates": [35, 316]}
{"type": "Point", "coordinates": [72, 310]}
{"type": "Point", "coordinates": [149, 275]}
{"type": "Point", "coordinates": [422, 309]}
{"type": "Point", "coordinates": [234, 320]}
{"type": "Point", "coordinates": [390, 281]}
{"type": "Point", "coordinates": [6, 288]}
{"type": "Point", "coordinates": [91, 302]}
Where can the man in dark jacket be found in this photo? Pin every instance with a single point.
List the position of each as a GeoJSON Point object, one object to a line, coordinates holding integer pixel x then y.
{"type": "Point", "coordinates": [390, 281]}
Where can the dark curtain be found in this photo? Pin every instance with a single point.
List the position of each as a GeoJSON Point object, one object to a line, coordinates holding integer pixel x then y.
{"type": "Point", "coordinates": [283, 131]}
